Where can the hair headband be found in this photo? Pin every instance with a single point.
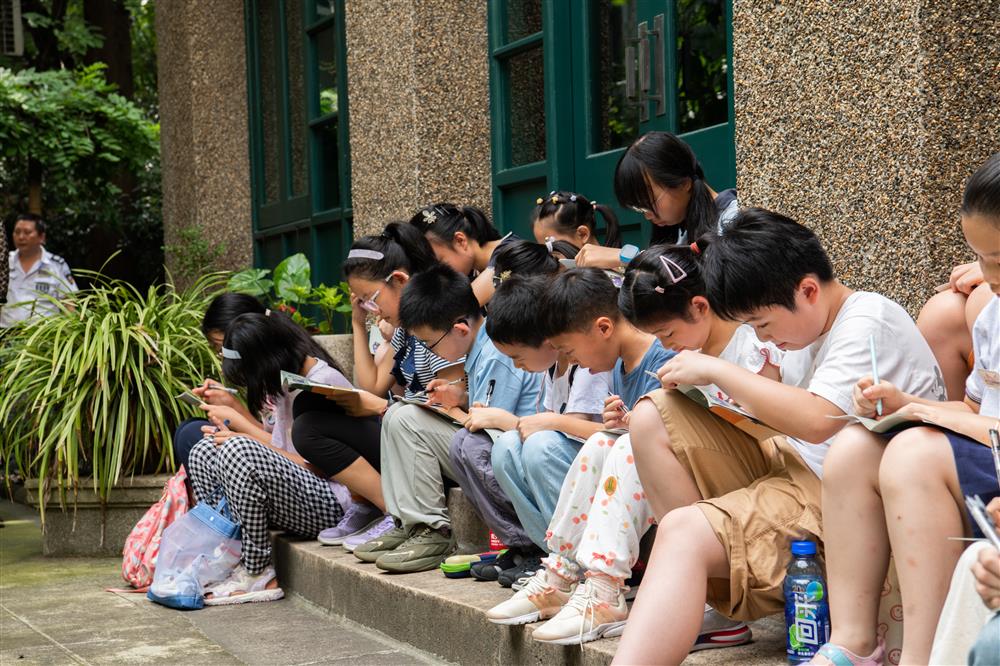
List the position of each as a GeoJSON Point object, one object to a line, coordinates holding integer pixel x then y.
{"type": "Point", "coordinates": [366, 254]}
{"type": "Point", "coordinates": [670, 266]}
{"type": "Point", "coordinates": [231, 354]}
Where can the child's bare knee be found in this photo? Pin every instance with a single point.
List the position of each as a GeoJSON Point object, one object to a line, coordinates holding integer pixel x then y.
{"type": "Point", "coordinates": [943, 316]}
{"type": "Point", "coordinates": [646, 426]}
{"type": "Point", "coordinates": [914, 456]}
{"type": "Point", "coordinates": [855, 450]}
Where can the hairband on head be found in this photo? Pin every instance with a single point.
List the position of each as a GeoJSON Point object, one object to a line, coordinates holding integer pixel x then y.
{"type": "Point", "coordinates": [231, 354]}
{"type": "Point", "coordinates": [674, 272]}
{"type": "Point", "coordinates": [365, 254]}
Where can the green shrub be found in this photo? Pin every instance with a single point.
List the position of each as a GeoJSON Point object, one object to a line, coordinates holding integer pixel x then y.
{"type": "Point", "coordinates": [90, 391]}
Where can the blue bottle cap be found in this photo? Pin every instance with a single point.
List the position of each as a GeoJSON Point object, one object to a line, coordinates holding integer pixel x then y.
{"type": "Point", "coordinates": [803, 548]}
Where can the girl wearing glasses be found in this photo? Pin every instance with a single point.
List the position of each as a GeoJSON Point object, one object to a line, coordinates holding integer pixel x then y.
{"type": "Point", "coordinates": [660, 178]}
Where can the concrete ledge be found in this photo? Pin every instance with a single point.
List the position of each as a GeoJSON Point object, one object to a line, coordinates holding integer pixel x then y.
{"type": "Point", "coordinates": [446, 617]}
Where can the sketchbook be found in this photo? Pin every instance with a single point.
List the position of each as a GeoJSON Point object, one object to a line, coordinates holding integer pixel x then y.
{"type": "Point", "coordinates": [455, 415]}
{"type": "Point", "coordinates": [881, 425]}
{"type": "Point", "coordinates": [345, 397]}
{"type": "Point", "coordinates": [729, 412]}
{"type": "Point", "coordinates": [191, 399]}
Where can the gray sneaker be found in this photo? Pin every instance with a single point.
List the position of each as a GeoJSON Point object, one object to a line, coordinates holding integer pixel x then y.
{"type": "Point", "coordinates": [372, 550]}
{"type": "Point", "coordinates": [424, 550]}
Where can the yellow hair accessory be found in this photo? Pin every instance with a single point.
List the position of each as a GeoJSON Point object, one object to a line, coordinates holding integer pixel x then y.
{"type": "Point", "coordinates": [539, 201]}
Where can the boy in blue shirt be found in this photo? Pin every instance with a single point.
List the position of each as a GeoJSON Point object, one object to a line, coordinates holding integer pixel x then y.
{"type": "Point", "coordinates": [439, 308]}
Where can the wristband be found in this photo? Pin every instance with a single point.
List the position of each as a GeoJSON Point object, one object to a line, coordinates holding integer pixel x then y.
{"type": "Point", "coordinates": [627, 253]}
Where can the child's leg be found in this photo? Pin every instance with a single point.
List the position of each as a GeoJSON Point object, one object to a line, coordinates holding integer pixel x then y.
{"type": "Point", "coordinates": [685, 453]}
{"type": "Point", "coordinates": [974, 304]}
{"type": "Point", "coordinates": [857, 544]}
{"type": "Point", "coordinates": [265, 488]}
{"type": "Point", "coordinates": [414, 462]}
{"type": "Point", "coordinates": [344, 447]}
{"type": "Point", "coordinates": [470, 455]}
{"type": "Point", "coordinates": [667, 614]}
{"type": "Point", "coordinates": [575, 499]}
{"type": "Point", "coordinates": [203, 471]}
{"type": "Point", "coordinates": [920, 489]}
{"type": "Point", "coordinates": [942, 323]}
{"type": "Point", "coordinates": [531, 475]}
{"type": "Point", "coordinates": [618, 517]}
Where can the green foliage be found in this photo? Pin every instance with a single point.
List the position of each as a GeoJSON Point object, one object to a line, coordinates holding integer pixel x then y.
{"type": "Point", "coordinates": [90, 390]}
{"type": "Point", "coordinates": [291, 291]}
{"type": "Point", "coordinates": [194, 255]}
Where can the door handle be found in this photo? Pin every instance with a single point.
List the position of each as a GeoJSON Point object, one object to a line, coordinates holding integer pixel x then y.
{"type": "Point", "coordinates": [659, 94]}
{"type": "Point", "coordinates": [643, 64]}
{"type": "Point", "coordinates": [631, 71]}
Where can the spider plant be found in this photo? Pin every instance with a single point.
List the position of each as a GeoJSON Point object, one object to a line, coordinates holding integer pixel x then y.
{"type": "Point", "coordinates": [89, 391]}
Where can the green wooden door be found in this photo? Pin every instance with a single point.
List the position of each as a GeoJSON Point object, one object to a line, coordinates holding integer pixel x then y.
{"type": "Point", "coordinates": [605, 72]}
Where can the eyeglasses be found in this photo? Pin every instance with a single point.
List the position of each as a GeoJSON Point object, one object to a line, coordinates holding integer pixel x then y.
{"type": "Point", "coordinates": [646, 211]}
{"type": "Point", "coordinates": [369, 303]}
{"type": "Point", "coordinates": [445, 335]}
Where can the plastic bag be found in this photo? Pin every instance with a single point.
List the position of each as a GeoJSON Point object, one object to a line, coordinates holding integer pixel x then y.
{"type": "Point", "coordinates": [199, 549]}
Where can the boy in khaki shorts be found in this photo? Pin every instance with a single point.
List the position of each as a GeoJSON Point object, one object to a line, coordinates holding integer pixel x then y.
{"type": "Point", "coordinates": [729, 504]}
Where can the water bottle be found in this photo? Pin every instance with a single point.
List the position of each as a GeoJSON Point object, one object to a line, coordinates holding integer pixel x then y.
{"type": "Point", "coordinates": [807, 612]}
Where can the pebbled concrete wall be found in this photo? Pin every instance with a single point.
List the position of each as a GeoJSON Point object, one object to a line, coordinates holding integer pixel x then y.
{"type": "Point", "coordinates": [863, 120]}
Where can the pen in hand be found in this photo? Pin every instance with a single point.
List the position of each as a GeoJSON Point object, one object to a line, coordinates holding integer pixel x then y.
{"type": "Point", "coordinates": [875, 379]}
{"type": "Point", "coordinates": [489, 392]}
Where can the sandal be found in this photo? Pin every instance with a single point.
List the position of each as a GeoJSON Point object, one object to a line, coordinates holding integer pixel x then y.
{"type": "Point", "coordinates": [241, 587]}
{"type": "Point", "coordinates": [841, 656]}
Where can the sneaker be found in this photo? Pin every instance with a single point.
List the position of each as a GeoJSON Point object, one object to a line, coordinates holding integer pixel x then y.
{"type": "Point", "coordinates": [527, 568]}
{"type": "Point", "coordinates": [360, 517]}
{"type": "Point", "coordinates": [460, 566]}
{"type": "Point", "coordinates": [426, 548]}
{"type": "Point", "coordinates": [596, 609]}
{"type": "Point", "coordinates": [508, 559]}
{"type": "Point", "coordinates": [374, 548]}
{"type": "Point", "coordinates": [537, 600]}
{"type": "Point", "coordinates": [718, 631]}
{"type": "Point", "coordinates": [379, 529]}
{"type": "Point", "coordinates": [242, 587]}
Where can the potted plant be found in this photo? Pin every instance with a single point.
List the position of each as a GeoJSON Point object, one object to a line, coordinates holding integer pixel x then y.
{"type": "Point", "coordinates": [88, 404]}
{"type": "Point", "coordinates": [321, 310]}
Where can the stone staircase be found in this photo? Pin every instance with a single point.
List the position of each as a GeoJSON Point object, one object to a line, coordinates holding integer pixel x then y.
{"type": "Point", "coordinates": [445, 617]}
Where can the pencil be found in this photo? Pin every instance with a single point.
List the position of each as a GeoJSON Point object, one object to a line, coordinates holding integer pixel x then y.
{"type": "Point", "coordinates": [871, 347]}
{"type": "Point", "coordinates": [995, 446]}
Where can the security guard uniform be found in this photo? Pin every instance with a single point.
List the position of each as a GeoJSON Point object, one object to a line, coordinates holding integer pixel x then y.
{"type": "Point", "coordinates": [50, 276]}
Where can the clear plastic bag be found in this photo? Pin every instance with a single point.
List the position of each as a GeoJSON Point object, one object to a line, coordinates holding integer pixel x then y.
{"type": "Point", "coordinates": [200, 548]}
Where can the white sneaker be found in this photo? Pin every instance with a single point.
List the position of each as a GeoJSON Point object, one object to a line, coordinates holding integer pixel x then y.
{"type": "Point", "coordinates": [241, 587]}
{"type": "Point", "coordinates": [536, 600]}
{"type": "Point", "coordinates": [596, 609]}
{"type": "Point", "coordinates": [718, 631]}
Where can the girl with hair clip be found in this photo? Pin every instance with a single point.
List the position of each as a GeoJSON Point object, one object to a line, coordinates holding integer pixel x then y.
{"type": "Point", "coordinates": [268, 480]}
{"type": "Point", "coordinates": [603, 511]}
{"type": "Point", "coordinates": [463, 238]}
{"type": "Point", "coordinates": [521, 257]}
{"type": "Point", "coordinates": [660, 178]}
{"type": "Point", "coordinates": [571, 217]}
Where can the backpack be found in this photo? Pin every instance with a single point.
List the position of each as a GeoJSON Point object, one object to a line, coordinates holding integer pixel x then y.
{"type": "Point", "coordinates": [143, 542]}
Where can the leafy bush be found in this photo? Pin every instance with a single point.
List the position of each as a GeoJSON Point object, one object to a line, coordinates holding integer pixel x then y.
{"type": "Point", "coordinates": [90, 391]}
{"type": "Point", "coordinates": [290, 290]}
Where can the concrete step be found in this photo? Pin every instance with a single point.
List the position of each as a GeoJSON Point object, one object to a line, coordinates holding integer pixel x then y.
{"type": "Point", "coordinates": [446, 617]}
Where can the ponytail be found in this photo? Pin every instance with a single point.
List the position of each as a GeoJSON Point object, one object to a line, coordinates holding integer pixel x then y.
{"type": "Point", "coordinates": [569, 210]}
{"type": "Point", "coordinates": [444, 220]}
{"type": "Point", "coordinates": [401, 246]}
{"type": "Point", "coordinates": [659, 285]}
{"type": "Point", "coordinates": [664, 159]}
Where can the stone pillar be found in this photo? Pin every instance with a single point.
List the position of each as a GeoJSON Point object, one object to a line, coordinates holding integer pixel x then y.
{"type": "Point", "coordinates": [863, 120]}
{"type": "Point", "coordinates": [203, 124]}
{"type": "Point", "coordinates": [418, 81]}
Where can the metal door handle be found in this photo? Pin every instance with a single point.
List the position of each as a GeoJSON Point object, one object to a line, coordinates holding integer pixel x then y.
{"type": "Point", "coordinates": [630, 73]}
{"type": "Point", "coordinates": [659, 94]}
{"type": "Point", "coordinates": [643, 64]}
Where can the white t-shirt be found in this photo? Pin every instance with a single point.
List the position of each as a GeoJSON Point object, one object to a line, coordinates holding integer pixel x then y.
{"type": "Point", "coordinates": [832, 365]}
{"type": "Point", "coordinates": [983, 385]}
{"type": "Point", "coordinates": [576, 392]}
{"type": "Point", "coordinates": [747, 351]}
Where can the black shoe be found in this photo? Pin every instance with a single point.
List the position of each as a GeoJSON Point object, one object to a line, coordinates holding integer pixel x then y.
{"type": "Point", "coordinates": [491, 570]}
{"type": "Point", "coordinates": [526, 568]}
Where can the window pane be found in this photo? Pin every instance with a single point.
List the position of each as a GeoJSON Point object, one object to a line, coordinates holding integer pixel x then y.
{"type": "Point", "coordinates": [616, 120]}
{"type": "Point", "coordinates": [526, 87]}
{"type": "Point", "coordinates": [297, 118]}
{"type": "Point", "coordinates": [328, 152]}
{"type": "Point", "coordinates": [326, 69]}
{"type": "Point", "coordinates": [702, 92]}
{"type": "Point", "coordinates": [524, 17]}
{"type": "Point", "coordinates": [270, 128]}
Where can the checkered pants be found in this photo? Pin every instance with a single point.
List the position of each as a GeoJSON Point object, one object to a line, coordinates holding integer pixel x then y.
{"type": "Point", "coordinates": [263, 489]}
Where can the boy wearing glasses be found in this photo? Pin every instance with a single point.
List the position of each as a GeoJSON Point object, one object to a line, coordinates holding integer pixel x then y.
{"type": "Point", "coordinates": [439, 308]}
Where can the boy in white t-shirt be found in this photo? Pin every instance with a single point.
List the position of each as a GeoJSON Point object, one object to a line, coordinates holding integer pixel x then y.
{"type": "Point", "coordinates": [732, 505]}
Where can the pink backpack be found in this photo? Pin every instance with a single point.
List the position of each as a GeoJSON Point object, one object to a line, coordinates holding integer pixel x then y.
{"type": "Point", "coordinates": [143, 542]}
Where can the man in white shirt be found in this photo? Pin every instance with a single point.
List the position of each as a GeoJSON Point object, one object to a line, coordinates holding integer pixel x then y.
{"type": "Point", "coordinates": [34, 274]}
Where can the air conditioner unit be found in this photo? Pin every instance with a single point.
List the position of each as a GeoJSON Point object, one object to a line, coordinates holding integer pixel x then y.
{"type": "Point", "coordinates": [11, 28]}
